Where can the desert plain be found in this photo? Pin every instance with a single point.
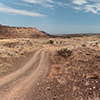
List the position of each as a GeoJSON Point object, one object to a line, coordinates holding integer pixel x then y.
{"type": "Point", "coordinates": [50, 68]}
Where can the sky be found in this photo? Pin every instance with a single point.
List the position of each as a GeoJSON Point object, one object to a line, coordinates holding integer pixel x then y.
{"type": "Point", "coordinates": [52, 16]}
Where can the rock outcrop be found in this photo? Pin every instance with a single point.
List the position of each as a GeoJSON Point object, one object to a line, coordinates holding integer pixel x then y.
{"type": "Point", "coordinates": [20, 32]}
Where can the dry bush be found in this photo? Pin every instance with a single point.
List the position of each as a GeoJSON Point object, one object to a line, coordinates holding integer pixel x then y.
{"type": "Point", "coordinates": [50, 42]}
{"type": "Point", "coordinates": [83, 45]}
{"type": "Point", "coordinates": [64, 52]}
{"type": "Point", "coordinates": [95, 97]}
{"type": "Point", "coordinates": [1, 38]}
{"type": "Point", "coordinates": [11, 45]}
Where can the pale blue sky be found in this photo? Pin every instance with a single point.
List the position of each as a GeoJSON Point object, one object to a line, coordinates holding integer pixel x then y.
{"type": "Point", "coordinates": [52, 16]}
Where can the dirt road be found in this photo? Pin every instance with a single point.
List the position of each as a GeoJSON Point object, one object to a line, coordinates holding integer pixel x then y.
{"type": "Point", "coordinates": [16, 86]}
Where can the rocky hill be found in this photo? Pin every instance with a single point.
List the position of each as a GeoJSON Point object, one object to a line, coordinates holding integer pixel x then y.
{"type": "Point", "coordinates": [20, 32]}
{"type": "Point", "coordinates": [47, 34]}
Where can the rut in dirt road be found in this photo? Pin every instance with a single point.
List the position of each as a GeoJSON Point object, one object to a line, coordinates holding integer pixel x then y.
{"type": "Point", "coordinates": [17, 85]}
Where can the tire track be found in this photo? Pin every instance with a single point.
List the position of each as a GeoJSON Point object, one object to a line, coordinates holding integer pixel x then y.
{"type": "Point", "coordinates": [17, 85]}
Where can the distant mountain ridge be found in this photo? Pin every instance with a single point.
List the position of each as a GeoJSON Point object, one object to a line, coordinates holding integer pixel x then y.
{"type": "Point", "coordinates": [20, 32]}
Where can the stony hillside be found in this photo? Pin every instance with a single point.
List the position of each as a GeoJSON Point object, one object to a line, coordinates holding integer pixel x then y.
{"type": "Point", "coordinates": [20, 32]}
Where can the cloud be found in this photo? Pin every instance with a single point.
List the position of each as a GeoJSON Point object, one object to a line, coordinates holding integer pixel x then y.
{"type": "Point", "coordinates": [91, 8]}
{"type": "Point", "coordinates": [80, 2]}
{"type": "Point", "coordinates": [10, 10]}
{"type": "Point", "coordinates": [50, 1]}
{"type": "Point", "coordinates": [79, 5]}
{"type": "Point", "coordinates": [45, 3]}
{"type": "Point", "coordinates": [87, 6]}
{"type": "Point", "coordinates": [34, 1]}
{"type": "Point", "coordinates": [22, 4]}
{"type": "Point", "coordinates": [76, 8]}
{"type": "Point", "coordinates": [41, 2]}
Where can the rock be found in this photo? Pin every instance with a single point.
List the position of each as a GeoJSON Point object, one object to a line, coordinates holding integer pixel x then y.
{"type": "Point", "coordinates": [22, 53]}
{"type": "Point", "coordinates": [54, 98]}
{"type": "Point", "coordinates": [87, 83]}
{"type": "Point", "coordinates": [3, 56]}
{"type": "Point", "coordinates": [17, 46]}
{"type": "Point", "coordinates": [1, 65]}
{"type": "Point", "coordinates": [92, 76]}
{"type": "Point", "coordinates": [22, 47]}
{"type": "Point", "coordinates": [2, 51]}
{"type": "Point", "coordinates": [94, 87]}
{"type": "Point", "coordinates": [90, 88]}
{"type": "Point", "coordinates": [16, 51]}
{"type": "Point", "coordinates": [96, 81]}
{"type": "Point", "coordinates": [48, 88]}
{"type": "Point", "coordinates": [38, 83]}
{"type": "Point", "coordinates": [10, 54]}
{"type": "Point", "coordinates": [32, 46]}
{"type": "Point", "coordinates": [62, 82]}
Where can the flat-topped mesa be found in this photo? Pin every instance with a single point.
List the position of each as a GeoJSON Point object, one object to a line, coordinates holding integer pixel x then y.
{"type": "Point", "coordinates": [20, 32]}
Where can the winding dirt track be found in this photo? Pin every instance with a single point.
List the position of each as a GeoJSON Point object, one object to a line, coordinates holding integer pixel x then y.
{"type": "Point", "coordinates": [16, 86]}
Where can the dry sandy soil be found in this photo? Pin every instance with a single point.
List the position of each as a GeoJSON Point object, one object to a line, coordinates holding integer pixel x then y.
{"type": "Point", "coordinates": [34, 69]}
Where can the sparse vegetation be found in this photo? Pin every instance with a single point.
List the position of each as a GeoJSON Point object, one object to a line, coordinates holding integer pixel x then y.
{"type": "Point", "coordinates": [56, 42]}
{"type": "Point", "coordinates": [11, 44]}
{"type": "Point", "coordinates": [83, 45]}
{"type": "Point", "coordinates": [20, 32]}
{"type": "Point", "coordinates": [60, 42]}
{"type": "Point", "coordinates": [95, 97]}
{"type": "Point", "coordinates": [74, 70]}
{"type": "Point", "coordinates": [1, 38]}
{"type": "Point", "coordinates": [64, 52]}
{"type": "Point", "coordinates": [50, 42]}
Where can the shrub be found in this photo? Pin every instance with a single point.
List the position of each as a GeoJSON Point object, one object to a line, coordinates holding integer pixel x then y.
{"type": "Point", "coordinates": [51, 41]}
{"type": "Point", "coordinates": [83, 45]}
{"type": "Point", "coordinates": [60, 42]}
{"type": "Point", "coordinates": [64, 52]}
{"type": "Point", "coordinates": [56, 42]}
{"type": "Point", "coordinates": [11, 45]}
{"type": "Point", "coordinates": [69, 37]}
{"type": "Point", "coordinates": [95, 97]}
{"type": "Point", "coordinates": [1, 38]}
